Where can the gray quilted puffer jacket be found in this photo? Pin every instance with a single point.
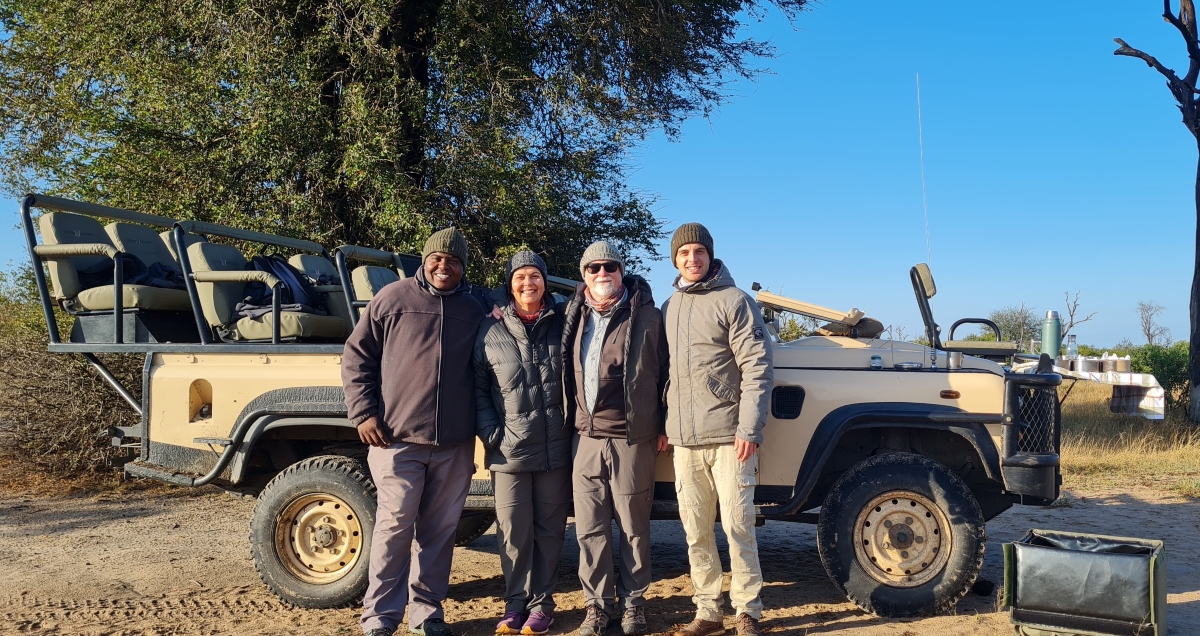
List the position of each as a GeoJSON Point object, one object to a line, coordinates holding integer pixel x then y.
{"type": "Point", "coordinates": [519, 393]}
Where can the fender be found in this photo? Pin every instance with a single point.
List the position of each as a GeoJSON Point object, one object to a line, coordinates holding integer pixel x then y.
{"type": "Point", "coordinates": [969, 426]}
{"type": "Point", "coordinates": [292, 406]}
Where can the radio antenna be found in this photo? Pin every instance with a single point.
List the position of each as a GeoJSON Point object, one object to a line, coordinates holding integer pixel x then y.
{"type": "Point", "coordinates": [924, 198]}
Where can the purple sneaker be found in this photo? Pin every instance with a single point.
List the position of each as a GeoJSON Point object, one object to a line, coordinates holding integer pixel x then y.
{"type": "Point", "coordinates": [511, 623]}
{"type": "Point", "coordinates": [538, 623]}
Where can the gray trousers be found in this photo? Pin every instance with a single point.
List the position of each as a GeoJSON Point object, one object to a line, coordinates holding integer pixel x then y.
{"type": "Point", "coordinates": [611, 481]}
{"type": "Point", "coordinates": [422, 489]}
{"type": "Point", "coordinates": [531, 522]}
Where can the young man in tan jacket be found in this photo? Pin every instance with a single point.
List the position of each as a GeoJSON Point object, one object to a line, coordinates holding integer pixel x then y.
{"type": "Point", "coordinates": [716, 408]}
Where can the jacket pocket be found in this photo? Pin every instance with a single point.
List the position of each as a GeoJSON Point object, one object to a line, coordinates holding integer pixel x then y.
{"type": "Point", "coordinates": [722, 391]}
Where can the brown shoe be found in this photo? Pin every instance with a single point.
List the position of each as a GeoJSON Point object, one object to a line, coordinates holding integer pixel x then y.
{"type": "Point", "coordinates": [700, 627]}
{"type": "Point", "coordinates": [747, 625]}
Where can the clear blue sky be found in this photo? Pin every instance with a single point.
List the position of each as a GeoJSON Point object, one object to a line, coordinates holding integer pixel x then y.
{"type": "Point", "coordinates": [1051, 165]}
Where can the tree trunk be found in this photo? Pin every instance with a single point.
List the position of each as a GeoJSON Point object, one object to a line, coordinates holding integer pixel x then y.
{"type": "Point", "coordinates": [1194, 315]}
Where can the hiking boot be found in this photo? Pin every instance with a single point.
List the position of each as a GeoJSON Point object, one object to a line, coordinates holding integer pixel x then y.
{"type": "Point", "coordinates": [380, 631]}
{"type": "Point", "coordinates": [700, 627]}
{"type": "Point", "coordinates": [633, 621]}
{"type": "Point", "coordinates": [537, 623]}
{"type": "Point", "coordinates": [511, 623]}
{"type": "Point", "coordinates": [595, 622]}
{"type": "Point", "coordinates": [432, 627]}
{"type": "Point", "coordinates": [747, 625]}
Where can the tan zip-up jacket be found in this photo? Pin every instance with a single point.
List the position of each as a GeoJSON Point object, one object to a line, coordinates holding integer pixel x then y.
{"type": "Point", "coordinates": [721, 373]}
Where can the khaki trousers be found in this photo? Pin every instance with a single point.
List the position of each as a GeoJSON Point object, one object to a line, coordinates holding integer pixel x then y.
{"type": "Point", "coordinates": [613, 481]}
{"type": "Point", "coordinates": [705, 476]}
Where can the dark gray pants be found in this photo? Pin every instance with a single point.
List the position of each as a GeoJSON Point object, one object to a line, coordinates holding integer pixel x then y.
{"type": "Point", "coordinates": [611, 481]}
{"type": "Point", "coordinates": [422, 489]}
{"type": "Point", "coordinates": [531, 522]}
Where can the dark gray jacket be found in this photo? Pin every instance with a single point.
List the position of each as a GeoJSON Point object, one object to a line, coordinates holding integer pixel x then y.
{"type": "Point", "coordinates": [519, 394]}
{"type": "Point", "coordinates": [642, 364]}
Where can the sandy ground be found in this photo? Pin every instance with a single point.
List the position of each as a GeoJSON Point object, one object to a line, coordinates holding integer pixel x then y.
{"type": "Point", "coordinates": [175, 564]}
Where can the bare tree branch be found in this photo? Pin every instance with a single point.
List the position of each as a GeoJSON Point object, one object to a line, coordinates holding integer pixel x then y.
{"type": "Point", "coordinates": [1072, 310]}
{"type": "Point", "coordinates": [1186, 24]}
{"type": "Point", "coordinates": [1147, 58]}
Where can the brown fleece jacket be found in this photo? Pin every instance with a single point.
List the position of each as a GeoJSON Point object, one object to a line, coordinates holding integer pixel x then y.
{"type": "Point", "coordinates": [409, 362]}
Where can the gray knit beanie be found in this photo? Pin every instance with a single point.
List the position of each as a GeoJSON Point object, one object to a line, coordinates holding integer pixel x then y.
{"type": "Point", "coordinates": [449, 241]}
{"type": "Point", "coordinates": [524, 258]}
{"type": "Point", "coordinates": [691, 233]}
{"type": "Point", "coordinates": [601, 251]}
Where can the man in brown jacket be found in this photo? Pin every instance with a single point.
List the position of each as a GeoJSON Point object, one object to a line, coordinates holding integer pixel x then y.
{"type": "Point", "coordinates": [721, 379]}
{"type": "Point", "coordinates": [406, 373]}
{"type": "Point", "coordinates": [614, 374]}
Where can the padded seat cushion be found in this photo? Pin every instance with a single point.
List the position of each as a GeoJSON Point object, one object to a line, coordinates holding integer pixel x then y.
{"type": "Point", "coordinates": [61, 228]}
{"type": "Point", "coordinates": [139, 296]}
{"type": "Point", "coordinates": [291, 325]}
{"type": "Point", "coordinates": [218, 299]}
{"type": "Point", "coordinates": [335, 299]}
{"type": "Point", "coordinates": [142, 242]}
{"type": "Point", "coordinates": [369, 279]}
{"type": "Point", "coordinates": [189, 240]}
{"type": "Point", "coordinates": [980, 347]}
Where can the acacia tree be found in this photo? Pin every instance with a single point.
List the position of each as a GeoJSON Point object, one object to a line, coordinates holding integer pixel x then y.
{"type": "Point", "coordinates": [366, 121]}
{"type": "Point", "coordinates": [1188, 100]}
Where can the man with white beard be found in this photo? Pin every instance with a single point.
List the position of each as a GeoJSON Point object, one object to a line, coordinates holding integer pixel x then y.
{"type": "Point", "coordinates": [614, 374]}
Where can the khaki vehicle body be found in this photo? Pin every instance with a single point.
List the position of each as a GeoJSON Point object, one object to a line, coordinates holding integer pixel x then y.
{"type": "Point", "coordinates": [832, 371]}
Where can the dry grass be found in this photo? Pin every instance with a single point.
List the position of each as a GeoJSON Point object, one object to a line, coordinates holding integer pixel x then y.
{"type": "Point", "coordinates": [1101, 449]}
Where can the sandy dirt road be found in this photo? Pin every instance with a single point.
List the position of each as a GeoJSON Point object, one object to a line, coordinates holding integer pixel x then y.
{"type": "Point", "coordinates": [179, 563]}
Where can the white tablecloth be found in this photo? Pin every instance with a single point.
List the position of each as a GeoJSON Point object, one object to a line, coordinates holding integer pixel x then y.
{"type": "Point", "coordinates": [1133, 393]}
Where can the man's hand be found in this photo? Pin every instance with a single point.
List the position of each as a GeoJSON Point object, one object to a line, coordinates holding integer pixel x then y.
{"type": "Point", "coordinates": [745, 450]}
{"type": "Point", "coordinates": [497, 312]}
{"type": "Point", "coordinates": [663, 444]}
{"type": "Point", "coordinates": [373, 434]}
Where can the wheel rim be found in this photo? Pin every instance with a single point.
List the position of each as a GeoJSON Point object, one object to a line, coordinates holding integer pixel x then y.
{"type": "Point", "coordinates": [902, 539]}
{"type": "Point", "coordinates": [318, 538]}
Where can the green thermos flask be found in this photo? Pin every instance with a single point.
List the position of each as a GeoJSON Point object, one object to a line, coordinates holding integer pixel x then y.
{"type": "Point", "coordinates": [1051, 334]}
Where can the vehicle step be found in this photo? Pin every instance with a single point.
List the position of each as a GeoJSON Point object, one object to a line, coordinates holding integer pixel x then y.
{"type": "Point", "coordinates": [159, 473]}
{"type": "Point", "coordinates": [215, 441]}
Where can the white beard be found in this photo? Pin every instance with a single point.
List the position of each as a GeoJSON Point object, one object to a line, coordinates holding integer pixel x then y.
{"type": "Point", "coordinates": [603, 290]}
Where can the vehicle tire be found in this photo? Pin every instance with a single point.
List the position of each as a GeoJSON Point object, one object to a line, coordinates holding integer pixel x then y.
{"type": "Point", "coordinates": [473, 525]}
{"type": "Point", "coordinates": [310, 533]}
{"type": "Point", "coordinates": [901, 535]}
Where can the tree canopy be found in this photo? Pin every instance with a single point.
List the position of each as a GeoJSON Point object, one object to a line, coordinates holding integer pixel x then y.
{"type": "Point", "coordinates": [367, 122]}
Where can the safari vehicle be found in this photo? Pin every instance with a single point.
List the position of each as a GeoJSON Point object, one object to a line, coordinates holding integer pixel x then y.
{"type": "Point", "coordinates": [898, 452]}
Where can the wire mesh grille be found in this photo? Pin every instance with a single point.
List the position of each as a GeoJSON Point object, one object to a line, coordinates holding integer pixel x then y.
{"type": "Point", "coordinates": [1038, 408]}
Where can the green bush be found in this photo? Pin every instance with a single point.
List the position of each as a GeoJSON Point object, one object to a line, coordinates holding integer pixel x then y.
{"type": "Point", "coordinates": [54, 408]}
{"type": "Point", "coordinates": [1169, 365]}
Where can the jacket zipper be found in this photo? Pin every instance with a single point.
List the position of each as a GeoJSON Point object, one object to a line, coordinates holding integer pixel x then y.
{"type": "Point", "coordinates": [437, 400]}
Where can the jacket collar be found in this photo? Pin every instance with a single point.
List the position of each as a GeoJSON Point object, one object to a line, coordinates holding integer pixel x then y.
{"type": "Point", "coordinates": [463, 285]}
{"type": "Point", "coordinates": [718, 276]}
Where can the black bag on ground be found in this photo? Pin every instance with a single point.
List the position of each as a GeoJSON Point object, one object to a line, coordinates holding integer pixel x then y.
{"type": "Point", "coordinates": [1069, 584]}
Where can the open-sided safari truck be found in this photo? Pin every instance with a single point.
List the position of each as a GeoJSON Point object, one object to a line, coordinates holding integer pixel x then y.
{"type": "Point", "coordinates": [899, 458]}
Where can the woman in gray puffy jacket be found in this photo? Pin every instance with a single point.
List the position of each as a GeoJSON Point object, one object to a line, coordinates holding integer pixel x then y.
{"type": "Point", "coordinates": [519, 417]}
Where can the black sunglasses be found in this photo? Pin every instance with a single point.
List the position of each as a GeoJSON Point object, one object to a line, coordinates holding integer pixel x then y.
{"type": "Point", "coordinates": [609, 266]}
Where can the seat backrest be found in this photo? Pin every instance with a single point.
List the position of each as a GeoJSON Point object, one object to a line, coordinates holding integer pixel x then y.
{"type": "Point", "coordinates": [189, 240]}
{"type": "Point", "coordinates": [314, 266]}
{"type": "Point", "coordinates": [369, 279]}
{"type": "Point", "coordinates": [926, 278]}
{"type": "Point", "coordinates": [142, 242]}
{"type": "Point", "coordinates": [924, 288]}
{"type": "Point", "coordinates": [61, 228]}
{"type": "Point", "coordinates": [217, 299]}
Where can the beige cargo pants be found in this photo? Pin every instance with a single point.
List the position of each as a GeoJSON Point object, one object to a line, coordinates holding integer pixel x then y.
{"type": "Point", "coordinates": [705, 476]}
